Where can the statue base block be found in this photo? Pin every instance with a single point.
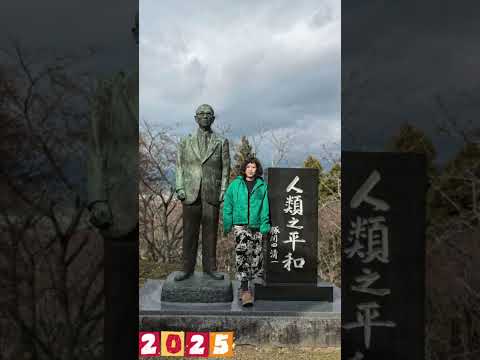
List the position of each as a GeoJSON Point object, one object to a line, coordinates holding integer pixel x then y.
{"type": "Point", "coordinates": [199, 288]}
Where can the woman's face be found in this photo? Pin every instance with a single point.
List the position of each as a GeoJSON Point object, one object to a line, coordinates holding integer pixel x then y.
{"type": "Point", "coordinates": [251, 170]}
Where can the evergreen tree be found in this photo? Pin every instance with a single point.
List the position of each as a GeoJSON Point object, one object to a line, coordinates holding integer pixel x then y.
{"type": "Point", "coordinates": [312, 162]}
{"type": "Point", "coordinates": [409, 139]}
{"type": "Point", "coordinates": [329, 187]}
{"type": "Point", "coordinates": [458, 183]}
{"type": "Point", "coordinates": [328, 182]}
{"type": "Point", "coordinates": [243, 152]}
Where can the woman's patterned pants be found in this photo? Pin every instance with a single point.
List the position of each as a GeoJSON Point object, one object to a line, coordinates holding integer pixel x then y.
{"type": "Point", "coordinates": [248, 251]}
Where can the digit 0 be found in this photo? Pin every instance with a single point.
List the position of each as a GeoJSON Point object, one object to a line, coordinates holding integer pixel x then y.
{"type": "Point", "coordinates": [172, 343]}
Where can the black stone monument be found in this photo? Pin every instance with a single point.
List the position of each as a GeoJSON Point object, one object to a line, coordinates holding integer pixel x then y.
{"type": "Point", "coordinates": [291, 248]}
{"type": "Point", "coordinates": [383, 256]}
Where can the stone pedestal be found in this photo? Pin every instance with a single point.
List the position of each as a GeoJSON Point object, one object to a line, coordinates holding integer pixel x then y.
{"type": "Point", "coordinates": [282, 323]}
{"type": "Point", "coordinates": [199, 288]}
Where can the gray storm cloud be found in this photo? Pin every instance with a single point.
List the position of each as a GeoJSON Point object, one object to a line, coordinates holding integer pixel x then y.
{"type": "Point", "coordinates": [274, 66]}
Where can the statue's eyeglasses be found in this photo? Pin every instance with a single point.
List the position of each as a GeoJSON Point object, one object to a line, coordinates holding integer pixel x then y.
{"type": "Point", "coordinates": [204, 114]}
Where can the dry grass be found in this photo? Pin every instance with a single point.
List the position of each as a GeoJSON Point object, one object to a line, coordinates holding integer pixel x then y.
{"type": "Point", "coordinates": [248, 352]}
{"type": "Point", "coordinates": [151, 270]}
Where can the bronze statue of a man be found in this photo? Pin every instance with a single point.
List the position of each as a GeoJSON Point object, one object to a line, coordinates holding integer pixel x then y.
{"type": "Point", "coordinates": [202, 173]}
{"type": "Point", "coordinates": [113, 156]}
{"type": "Point", "coordinates": [113, 201]}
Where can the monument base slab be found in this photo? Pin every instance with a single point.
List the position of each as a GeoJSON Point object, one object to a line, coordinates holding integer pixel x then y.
{"type": "Point", "coordinates": [295, 292]}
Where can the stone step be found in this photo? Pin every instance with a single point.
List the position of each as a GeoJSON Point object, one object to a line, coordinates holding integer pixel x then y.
{"type": "Point", "coordinates": [302, 323]}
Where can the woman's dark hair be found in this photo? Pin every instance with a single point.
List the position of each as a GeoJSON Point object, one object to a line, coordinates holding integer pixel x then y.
{"type": "Point", "coordinates": [252, 160]}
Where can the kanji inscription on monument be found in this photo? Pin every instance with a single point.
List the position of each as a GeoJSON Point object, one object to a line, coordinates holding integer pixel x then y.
{"type": "Point", "coordinates": [383, 245]}
{"type": "Point", "coordinates": [291, 249]}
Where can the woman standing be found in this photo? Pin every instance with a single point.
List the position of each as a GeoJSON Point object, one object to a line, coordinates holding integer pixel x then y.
{"type": "Point", "coordinates": [245, 210]}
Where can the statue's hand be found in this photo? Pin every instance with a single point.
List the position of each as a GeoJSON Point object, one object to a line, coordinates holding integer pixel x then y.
{"type": "Point", "coordinates": [101, 215]}
{"type": "Point", "coordinates": [181, 195]}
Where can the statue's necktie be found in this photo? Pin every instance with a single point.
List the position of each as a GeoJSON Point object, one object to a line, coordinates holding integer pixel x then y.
{"type": "Point", "coordinates": [205, 143]}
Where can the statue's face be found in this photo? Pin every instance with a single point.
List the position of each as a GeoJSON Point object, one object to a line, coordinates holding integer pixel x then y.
{"type": "Point", "coordinates": [205, 116]}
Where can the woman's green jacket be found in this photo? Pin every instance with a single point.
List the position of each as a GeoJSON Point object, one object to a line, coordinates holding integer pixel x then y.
{"type": "Point", "coordinates": [236, 209]}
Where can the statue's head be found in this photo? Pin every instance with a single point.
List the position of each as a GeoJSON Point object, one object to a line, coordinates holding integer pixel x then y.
{"type": "Point", "coordinates": [205, 116]}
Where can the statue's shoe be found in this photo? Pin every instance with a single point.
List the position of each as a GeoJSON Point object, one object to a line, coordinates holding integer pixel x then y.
{"type": "Point", "coordinates": [214, 275]}
{"type": "Point", "coordinates": [183, 275]}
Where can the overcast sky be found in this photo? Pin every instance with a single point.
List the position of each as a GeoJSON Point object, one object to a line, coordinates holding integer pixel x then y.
{"type": "Point", "coordinates": [398, 59]}
{"type": "Point", "coordinates": [72, 28]}
{"type": "Point", "coordinates": [273, 65]}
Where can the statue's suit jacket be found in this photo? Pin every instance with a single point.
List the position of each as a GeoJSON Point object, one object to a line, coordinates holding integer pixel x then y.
{"type": "Point", "coordinates": [210, 172]}
{"type": "Point", "coordinates": [113, 151]}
